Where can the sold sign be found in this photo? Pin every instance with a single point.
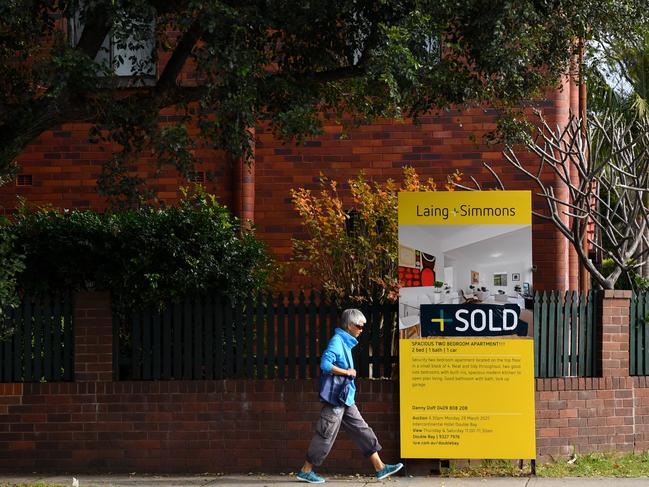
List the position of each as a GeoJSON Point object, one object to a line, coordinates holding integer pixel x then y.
{"type": "Point", "coordinates": [471, 320]}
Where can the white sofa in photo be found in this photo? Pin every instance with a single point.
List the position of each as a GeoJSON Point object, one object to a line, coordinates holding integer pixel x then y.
{"type": "Point", "coordinates": [410, 298]}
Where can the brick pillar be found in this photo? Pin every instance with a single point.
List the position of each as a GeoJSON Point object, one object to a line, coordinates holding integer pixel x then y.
{"type": "Point", "coordinates": [621, 422]}
{"type": "Point", "coordinates": [243, 190]}
{"type": "Point", "coordinates": [93, 337]}
{"type": "Point", "coordinates": [550, 249]}
{"type": "Point", "coordinates": [574, 265]}
{"type": "Point", "coordinates": [243, 186]}
{"type": "Point", "coordinates": [615, 333]}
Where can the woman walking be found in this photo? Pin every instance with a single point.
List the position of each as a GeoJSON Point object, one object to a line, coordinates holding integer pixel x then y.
{"type": "Point", "coordinates": [337, 360]}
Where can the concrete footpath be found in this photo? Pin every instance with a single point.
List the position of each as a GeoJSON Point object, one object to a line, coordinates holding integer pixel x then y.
{"type": "Point", "coordinates": [290, 481]}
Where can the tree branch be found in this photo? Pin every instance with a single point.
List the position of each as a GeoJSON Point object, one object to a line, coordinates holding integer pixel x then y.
{"type": "Point", "coordinates": [177, 61]}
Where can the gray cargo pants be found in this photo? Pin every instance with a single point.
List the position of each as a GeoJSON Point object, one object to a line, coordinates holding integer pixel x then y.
{"type": "Point", "coordinates": [327, 427]}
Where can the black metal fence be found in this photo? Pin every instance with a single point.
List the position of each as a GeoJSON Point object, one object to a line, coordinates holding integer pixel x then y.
{"type": "Point", "coordinates": [283, 337]}
{"type": "Point", "coordinates": [37, 341]}
{"type": "Point", "coordinates": [567, 334]}
{"type": "Point", "coordinates": [268, 337]}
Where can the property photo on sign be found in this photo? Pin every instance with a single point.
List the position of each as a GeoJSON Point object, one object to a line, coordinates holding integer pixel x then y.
{"type": "Point", "coordinates": [465, 324]}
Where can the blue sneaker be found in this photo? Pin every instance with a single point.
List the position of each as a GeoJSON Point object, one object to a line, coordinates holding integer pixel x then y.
{"type": "Point", "coordinates": [311, 477]}
{"type": "Point", "coordinates": [388, 470]}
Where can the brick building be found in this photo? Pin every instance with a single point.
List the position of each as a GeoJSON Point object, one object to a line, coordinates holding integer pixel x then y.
{"type": "Point", "coordinates": [61, 168]}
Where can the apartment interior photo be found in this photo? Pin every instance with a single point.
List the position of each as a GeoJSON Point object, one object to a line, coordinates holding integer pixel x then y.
{"type": "Point", "coordinates": [455, 264]}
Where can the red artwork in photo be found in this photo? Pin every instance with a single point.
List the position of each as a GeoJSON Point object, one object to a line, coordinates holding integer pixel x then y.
{"type": "Point", "coordinates": [409, 276]}
{"type": "Point", "coordinates": [428, 269]}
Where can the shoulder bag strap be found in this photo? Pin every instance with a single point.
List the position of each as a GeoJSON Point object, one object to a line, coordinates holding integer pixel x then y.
{"type": "Point", "coordinates": [349, 360]}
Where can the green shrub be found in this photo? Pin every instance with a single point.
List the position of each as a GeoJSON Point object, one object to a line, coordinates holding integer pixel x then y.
{"type": "Point", "coordinates": [146, 256]}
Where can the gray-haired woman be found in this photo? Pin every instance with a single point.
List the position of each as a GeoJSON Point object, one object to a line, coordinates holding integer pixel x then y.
{"type": "Point", "coordinates": [337, 360]}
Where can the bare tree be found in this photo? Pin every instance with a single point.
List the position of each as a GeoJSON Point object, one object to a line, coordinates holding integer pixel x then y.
{"type": "Point", "coordinates": [603, 178]}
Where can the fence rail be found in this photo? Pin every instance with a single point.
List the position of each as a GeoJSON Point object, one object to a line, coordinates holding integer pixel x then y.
{"type": "Point", "coordinates": [567, 335]}
{"type": "Point", "coordinates": [269, 337]}
{"type": "Point", "coordinates": [37, 342]}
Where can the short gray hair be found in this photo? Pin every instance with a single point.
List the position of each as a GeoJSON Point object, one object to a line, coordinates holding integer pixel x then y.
{"type": "Point", "coordinates": [351, 316]}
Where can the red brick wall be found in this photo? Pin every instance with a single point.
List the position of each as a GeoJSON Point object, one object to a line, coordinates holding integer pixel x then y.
{"type": "Point", "coordinates": [586, 415]}
{"type": "Point", "coordinates": [65, 166]}
{"type": "Point", "coordinates": [176, 426]}
{"type": "Point", "coordinates": [242, 426]}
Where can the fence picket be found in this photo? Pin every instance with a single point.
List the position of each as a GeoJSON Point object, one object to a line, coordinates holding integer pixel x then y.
{"type": "Point", "coordinates": [197, 329]}
{"type": "Point", "coordinates": [292, 351]}
{"type": "Point", "coordinates": [323, 328]}
{"type": "Point", "coordinates": [177, 332]}
{"type": "Point", "coordinates": [590, 329]}
{"type": "Point", "coordinates": [633, 329]}
{"type": "Point", "coordinates": [281, 334]}
{"type": "Point", "coordinates": [147, 362]}
{"type": "Point", "coordinates": [582, 335]}
{"type": "Point", "coordinates": [375, 340]}
{"type": "Point", "coordinates": [566, 334]}
{"type": "Point", "coordinates": [574, 328]}
{"type": "Point", "coordinates": [156, 346]}
{"type": "Point", "coordinates": [552, 334]}
{"type": "Point", "coordinates": [27, 342]}
{"type": "Point", "coordinates": [543, 357]}
{"type": "Point", "coordinates": [219, 340]}
{"type": "Point", "coordinates": [301, 333]}
{"type": "Point", "coordinates": [239, 325]}
{"type": "Point", "coordinates": [7, 348]}
{"type": "Point", "coordinates": [4, 323]}
{"type": "Point", "coordinates": [187, 339]}
{"type": "Point", "coordinates": [136, 350]}
{"type": "Point", "coordinates": [333, 320]}
{"type": "Point", "coordinates": [208, 329]}
{"type": "Point", "coordinates": [167, 358]}
{"type": "Point", "coordinates": [68, 341]}
{"type": "Point", "coordinates": [313, 353]}
{"type": "Point", "coordinates": [16, 345]}
{"type": "Point", "coordinates": [361, 352]}
{"type": "Point", "coordinates": [645, 335]}
{"type": "Point", "coordinates": [536, 317]}
{"type": "Point", "coordinates": [260, 332]}
{"type": "Point", "coordinates": [270, 345]}
{"type": "Point", "coordinates": [228, 342]}
{"type": "Point", "coordinates": [37, 340]}
{"type": "Point", "coordinates": [558, 356]}
{"type": "Point", "coordinates": [640, 334]}
{"type": "Point", "coordinates": [250, 337]}
{"type": "Point", "coordinates": [48, 325]}
{"type": "Point", "coordinates": [388, 320]}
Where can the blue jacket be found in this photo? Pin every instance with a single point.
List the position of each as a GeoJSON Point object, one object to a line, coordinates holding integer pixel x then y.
{"type": "Point", "coordinates": [338, 349]}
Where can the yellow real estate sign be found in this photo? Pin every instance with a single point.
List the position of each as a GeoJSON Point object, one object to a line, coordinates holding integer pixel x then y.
{"type": "Point", "coordinates": [467, 398]}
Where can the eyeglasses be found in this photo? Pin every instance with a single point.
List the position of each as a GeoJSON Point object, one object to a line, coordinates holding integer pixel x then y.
{"type": "Point", "coordinates": [360, 327]}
